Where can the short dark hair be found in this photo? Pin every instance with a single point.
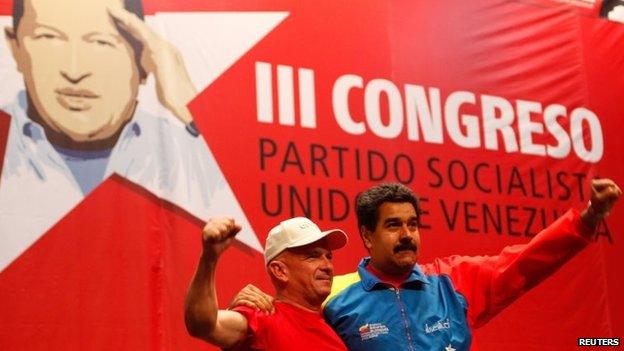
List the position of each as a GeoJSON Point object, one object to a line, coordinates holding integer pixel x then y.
{"type": "Point", "coordinates": [134, 6]}
{"type": "Point", "coordinates": [367, 203]}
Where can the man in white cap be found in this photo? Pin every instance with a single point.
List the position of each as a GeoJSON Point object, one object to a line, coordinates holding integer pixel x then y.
{"type": "Point", "coordinates": [298, 257]}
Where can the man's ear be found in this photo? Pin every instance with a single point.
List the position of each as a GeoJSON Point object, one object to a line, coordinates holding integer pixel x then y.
{"type": "Point", "coordinates": [279, 270]}
{"type": "Point", "coordinates": [366, 237]}
{"type": "Point", "coordinates": [11, 37]}
{"type": "Point", "coordinates": [10, 34]}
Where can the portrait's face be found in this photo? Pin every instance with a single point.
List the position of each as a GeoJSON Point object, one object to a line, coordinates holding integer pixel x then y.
{"type": "Point", "coordinates": [80, 73]}
{"type": "Point", "coordinates": [394, 243]}
{"type": "Point", "coordinates": [310, 270]}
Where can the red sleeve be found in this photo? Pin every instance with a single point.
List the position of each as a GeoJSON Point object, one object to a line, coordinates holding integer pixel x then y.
{"type": "Point", "coordinates": [254, 338]}
{"type": "Point", "coordinates": [491, 283]}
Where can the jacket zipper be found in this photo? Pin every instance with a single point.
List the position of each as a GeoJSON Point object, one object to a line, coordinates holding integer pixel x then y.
{"type": "Point", "coordinates": [404, 317]}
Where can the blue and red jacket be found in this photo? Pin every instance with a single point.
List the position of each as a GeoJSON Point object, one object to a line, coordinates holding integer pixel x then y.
{"type": "Point", "coordinates": [438, 304]}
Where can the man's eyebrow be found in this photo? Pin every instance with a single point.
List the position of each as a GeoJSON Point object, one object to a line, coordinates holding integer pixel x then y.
{"type": "Point", "coordinates": [392, 219]}
{"type": "Point", "coordinates": [47, 26]}
{"type": "Point", "coordinates": [397, 219]}
{"type": "Point", "coordinates": [115, 36]}
{"type": "Point", "coordinates": [315, 251]}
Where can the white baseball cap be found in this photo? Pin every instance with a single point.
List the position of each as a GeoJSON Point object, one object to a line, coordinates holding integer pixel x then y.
{"type": "Point", "coordinates": [299, 231]}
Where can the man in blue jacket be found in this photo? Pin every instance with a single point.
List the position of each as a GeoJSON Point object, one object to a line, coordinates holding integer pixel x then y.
{"type": "Point", "coordinates": [394, 303]}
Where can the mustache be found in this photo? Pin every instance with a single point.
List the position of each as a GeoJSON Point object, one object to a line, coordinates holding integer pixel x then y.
{"type": "Point", "coordinates": [405, 246]}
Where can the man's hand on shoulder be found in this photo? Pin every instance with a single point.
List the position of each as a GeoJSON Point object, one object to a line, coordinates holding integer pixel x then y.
{"type": "Point", "coordinates": [253, 297]}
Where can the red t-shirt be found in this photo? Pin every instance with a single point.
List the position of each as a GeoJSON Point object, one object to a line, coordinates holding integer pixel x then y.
{"type": "Point", "coordinates": [289, 328]}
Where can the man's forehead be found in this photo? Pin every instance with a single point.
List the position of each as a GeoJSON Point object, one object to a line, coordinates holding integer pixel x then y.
{"type": "Point", "coordinates": [397, 209]}
{"type": "Point", "coordinates": [68, 11]}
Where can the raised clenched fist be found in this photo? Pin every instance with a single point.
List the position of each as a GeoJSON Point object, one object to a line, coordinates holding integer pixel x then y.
{"type": "Point", "coordinates": [218, 234]}
{"type": "Point", "coordinates": [603, 195]}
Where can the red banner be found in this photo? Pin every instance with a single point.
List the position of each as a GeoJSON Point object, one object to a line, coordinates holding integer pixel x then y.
{"type": "Point", "coordinates": [497, 114]}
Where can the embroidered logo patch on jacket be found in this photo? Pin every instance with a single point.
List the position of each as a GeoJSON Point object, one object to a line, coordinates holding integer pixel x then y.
{"type": "Point", "coordinates": [372, 330]}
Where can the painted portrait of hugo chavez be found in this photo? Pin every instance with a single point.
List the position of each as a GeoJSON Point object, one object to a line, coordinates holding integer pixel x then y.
{"type": "Point", "coordinates": [77, 119]}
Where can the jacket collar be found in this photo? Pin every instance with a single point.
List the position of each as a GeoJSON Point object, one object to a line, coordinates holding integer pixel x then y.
{"type": "Point", "coordinates": [370, 281]}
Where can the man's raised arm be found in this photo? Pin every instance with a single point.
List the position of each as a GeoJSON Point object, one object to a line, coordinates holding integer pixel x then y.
{"type": "Point", "coordinates": [202, 316]}
{"type": "Point", "coordinates": [491, 283]}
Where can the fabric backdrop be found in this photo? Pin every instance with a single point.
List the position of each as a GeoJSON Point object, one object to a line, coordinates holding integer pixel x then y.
{"type": "Point", "coordinates": [496, 113]}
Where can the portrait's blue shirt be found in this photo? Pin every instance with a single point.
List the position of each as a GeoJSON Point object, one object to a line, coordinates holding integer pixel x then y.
{"type": "Point", "coordinates": [88, 167]}
{"type": "Point", "coordinates": [38, 186]}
